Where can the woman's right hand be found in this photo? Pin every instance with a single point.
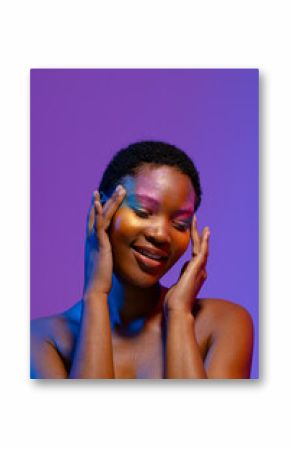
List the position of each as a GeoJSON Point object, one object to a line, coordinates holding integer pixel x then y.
{"type": "Point", "coordinates": [98, 251]}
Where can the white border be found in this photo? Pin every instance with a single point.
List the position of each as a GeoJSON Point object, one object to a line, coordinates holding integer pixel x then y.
{"type": "Point", "coordinates": [126, 33]}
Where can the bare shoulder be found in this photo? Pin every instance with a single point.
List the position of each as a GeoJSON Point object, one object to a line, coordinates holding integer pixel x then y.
{"type": "Point", "coordinates": [222, 311]}
{"type": "Point", "coordinates": [46, 329]}
{"type": "Point", "coordinates": [46, 360]}
{"type": "Point", "coordinates": [231, 331]}
{"type": "Point", "coordinates": [215, 317]}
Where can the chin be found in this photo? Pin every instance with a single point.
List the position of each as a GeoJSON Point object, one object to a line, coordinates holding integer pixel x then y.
{"type": "Point", "coordinates": [139, 280]}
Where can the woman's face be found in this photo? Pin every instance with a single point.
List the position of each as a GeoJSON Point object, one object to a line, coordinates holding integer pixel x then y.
{"type": "Point", "coordinates": [151, 229]}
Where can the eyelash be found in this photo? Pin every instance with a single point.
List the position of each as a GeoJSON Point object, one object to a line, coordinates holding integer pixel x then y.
{"type": "Point", "coordinates": [182, 227]}
{"type": "Point", "coordinates": [141, 213]}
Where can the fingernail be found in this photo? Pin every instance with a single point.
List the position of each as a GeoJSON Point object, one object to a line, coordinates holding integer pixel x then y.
{"type": "Point", "coordinates": [120, 189]}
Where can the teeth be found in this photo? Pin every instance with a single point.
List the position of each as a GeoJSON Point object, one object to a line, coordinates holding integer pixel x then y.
{"type": "Point", "coordinates": [147, 254]}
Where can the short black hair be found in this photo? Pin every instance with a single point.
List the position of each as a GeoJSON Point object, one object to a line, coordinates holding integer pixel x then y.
{"type": "Point", "coordinates": [129, 160]}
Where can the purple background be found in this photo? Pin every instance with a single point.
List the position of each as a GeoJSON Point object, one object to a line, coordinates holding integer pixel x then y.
{"type": "Point", "coordinates": [80, 118]}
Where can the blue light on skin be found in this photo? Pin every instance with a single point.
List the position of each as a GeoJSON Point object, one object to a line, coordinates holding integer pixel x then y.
{"type": "Point", "coordinates": [115, 301]}
{"type": "Point", "coordinates": [180, 221]}
{"type": "Point", "coordinates": [136, 325]}
{"type": "Point", "coordinates": [116, 298]}
{"type": "Point", "coordinates": [130, 199]}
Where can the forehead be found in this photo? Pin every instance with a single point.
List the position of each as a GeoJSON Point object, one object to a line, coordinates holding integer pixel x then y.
{"type": "Point", "coordinates": [163, 183]}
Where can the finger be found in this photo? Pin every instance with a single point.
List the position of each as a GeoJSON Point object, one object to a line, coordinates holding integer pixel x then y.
{"type": "Point", "coordinates": [199, 260]}
{"type": "Point", "coordinates": [183, 268]}
{"type": "Point", "coordinates": [187, 273]}
{"type": "Point", "coordinates": [193, 277]}
{"type": "Point", "coordinates": [205, 242]}
{"type": "Point", "coordinates": [91, 213]}
{"type": "Point", "coordinates": [203, 275]}
{"type": "Point", "coordinates": [99, 223]}
{"type": "Point", "coordinates": [195, 237]}
{"type": "Point", "coordinates": [113, 204]}
{"type": "Point", "coordinates": [200, 280]}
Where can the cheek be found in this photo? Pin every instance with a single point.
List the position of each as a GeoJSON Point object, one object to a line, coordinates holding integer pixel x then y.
{"type": "Point", "coordinates": [124, 226]}
{"type": "Point", "coordinates": [181, 241]}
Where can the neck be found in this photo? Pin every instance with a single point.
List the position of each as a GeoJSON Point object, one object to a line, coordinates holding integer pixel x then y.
{"type": "Point", "coordinates": [130, 306]}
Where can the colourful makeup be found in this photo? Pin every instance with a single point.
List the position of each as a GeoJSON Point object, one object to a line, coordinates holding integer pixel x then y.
{"type": "Point", "coordinates": [155, 215]}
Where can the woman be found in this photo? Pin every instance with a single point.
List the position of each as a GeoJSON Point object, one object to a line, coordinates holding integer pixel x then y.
{"type": "Point", "coordinates": [127, 325]}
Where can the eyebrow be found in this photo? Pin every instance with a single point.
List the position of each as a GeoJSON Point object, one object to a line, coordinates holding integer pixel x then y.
{"type": "Point", "coordinates": [156, 203]}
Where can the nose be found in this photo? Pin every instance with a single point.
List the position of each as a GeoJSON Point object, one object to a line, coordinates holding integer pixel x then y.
{"type": "Point", "coordinates": [158, 232]}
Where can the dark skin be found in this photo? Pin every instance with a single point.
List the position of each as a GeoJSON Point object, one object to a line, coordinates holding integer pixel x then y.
{"type": "Point", "coordinates": [127, 325]}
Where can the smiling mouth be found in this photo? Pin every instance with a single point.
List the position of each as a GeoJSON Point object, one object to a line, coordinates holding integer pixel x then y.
{"type": "Point", "coordinates": [148, 259]}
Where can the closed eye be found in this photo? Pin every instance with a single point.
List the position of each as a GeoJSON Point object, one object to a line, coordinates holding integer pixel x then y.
{"type": "Point", "coordinates": [141, 213]}
{"type": "Point", "coordinates": [180, 226]}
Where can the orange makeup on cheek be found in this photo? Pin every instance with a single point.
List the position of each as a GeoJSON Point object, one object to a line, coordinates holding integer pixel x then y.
{"type": "Point", "coordinates": [124, 221]}
{"type": "Point", "coordinates": [181, 241]}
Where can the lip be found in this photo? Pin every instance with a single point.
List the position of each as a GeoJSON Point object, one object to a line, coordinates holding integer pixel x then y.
{"type": "Point", "coordinates": [151, 250]}
{"type": "Point", "coordinates": [146, 262]}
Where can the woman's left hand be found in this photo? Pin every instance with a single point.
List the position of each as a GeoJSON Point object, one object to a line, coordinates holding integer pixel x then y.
{"type": "Point", "coordinates": [181, 295]}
